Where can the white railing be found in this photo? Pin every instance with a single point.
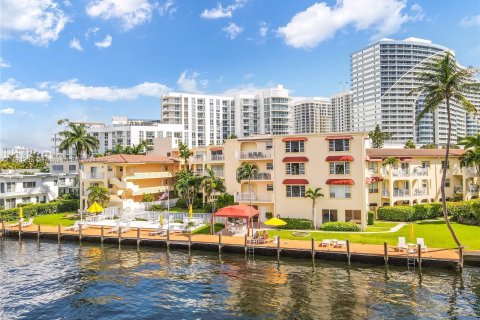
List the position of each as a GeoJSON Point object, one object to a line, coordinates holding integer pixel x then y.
{"type": "Point", "coordinates": [26, 191]}
{"type": "Point", "coordinates": [401, 192]}
{"type": "Point", "coordinates": [148, 175]}
{"type": "Point", "coordinates": [92, 175]}
{"type": "Point", "coordinates": [66, 184]}
{"type": "Point", "coordinates": [400, 173]}
{"type": "Point", "coordinates": [420, 192]}
{"type": "Point", "coordinates": [141, 191]}
{"type": "Point", "coordinates": [419, 171]}
{"type": "Point", "coordinates": [254, 155]}
{"type": "Point", "coordinates": [251, 196]}
{"type": "Point", "coordinates": [198, 158]}
{"type": "Point", "coordinates": [262, 176]}
{"type": "Point", "coordinates": [217, 157]}
{"type": "Point", "coordinates": [385, 193]}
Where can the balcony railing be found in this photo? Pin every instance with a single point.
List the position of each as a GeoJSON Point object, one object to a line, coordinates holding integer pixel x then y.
{"type": "Point", "coordinates": [243, 155]}
{"type": "Point", "coordinates": [149, 175]}
{"type": "Point", "coordinates": [217, 157]}
{"type": "Point", "coordinates": [262, 176]}
{"type": "Point", "coordinates": [26, 191]}
{"type": "Point", "coordinates": [419, 192]}
{"type": "Point", "coordinates": [401, 192]}
{"type": "Point", "coordinates": [419, 172]}
{"type": "Point", "coordinates": [253, 197]}
{"type": "Point", "coordinates": [199, 158]}
{"type": "Point", "coordinates": [400, 173]}
{"type": "Point", "coordinates": [93, 175]}
{"type": "Point", "coordinates": [385, 193]}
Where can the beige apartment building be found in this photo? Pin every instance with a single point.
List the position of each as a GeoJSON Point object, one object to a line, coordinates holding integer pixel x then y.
{"type": "Point", "coordinates": [128, 177]}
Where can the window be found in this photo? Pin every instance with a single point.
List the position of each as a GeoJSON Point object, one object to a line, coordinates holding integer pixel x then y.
{"type": "Point", "coordinates": [295, 191]}
{"type": "Point", "coordinates": [372, 167]}
{"type": "Point", "coordinates": [268, 145]}
{"type": "Point", "coordinates": [295, 168]}
{"type": "Point", "coordinates": [29, 184]}
{"type": "Point", "coordinates": [72, 167]}
{"type": "Point", "coordinates": [373, 187]}
{"type": "Point", "coordinates": [55, 182]}
{"type": "Point", "coordinates": [353, 215]}
{"type": "Point", "coordinates": [425, 164]}
{"type": "Point", "coordinates": [339, 145]}
{"type": "Point", "coordinates": [339, 167]}
{"type": "Point", "coordinates": [269, 187]}
{"type": "Point", "coordinates": [340, 192]}
{"type": "Point", "coordinates": [26, 200]}
{"type": "Point", "coordinates": [447, 182]}
{"type": "Point", "coordinates": [329, 215]}
{"type": "Point", "coordinates": [294, 146]}
{"type": "Point", "coordinates": [57, 168]}
{"type": "Point", "coordinates": [269, 165]}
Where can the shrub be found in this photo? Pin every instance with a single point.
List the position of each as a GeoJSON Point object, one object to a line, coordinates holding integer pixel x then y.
{"type": "Point", "coordinates": [181, 203]}
{"type": "Point", "coordinates": [397, 213]}
{"type": "Point", "coordinates": [371, 218]}
{"type": "Point", "coordinates": [147, 197]}
{"type": "Point", "coordinates": [156, 207]}
{"type": "Point", "coordinates": [340, 226]}
{"type": "Point", "coordinates": [40, 209]}
{"type": "Point", "coordinates": [207, 207]}
{"type": "Point", "coordinates": [269, 215]}
{"type": "Point", "coordinates": [465, 212]}
{"type": "Point", "coordinates": [297, 224]}
{"type": "Point", "coordinates": [197, 203]}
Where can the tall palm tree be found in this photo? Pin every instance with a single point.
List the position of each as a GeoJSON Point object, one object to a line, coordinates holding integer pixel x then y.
{"type": "Point", "coordinates": [212, 184]}
{"type": "Point", "coordinates": [314, 194]}
{"type": "Point", "coordinates": [246, 172]}
{"type": "Point", "coordinates": [140, 148]}
{"type": "Point", "coordinates": [470, 141]}
{"type": "Point", "coordinates": [76, 136]}
{"type": "Point", "coordinates": [471, 158]}
{"type": "Point", "coordinates": [99, 194]}
{"type": "Point", "coordinates": [443, 81]}
{"type": "Point", "coordinates": [185, 153]}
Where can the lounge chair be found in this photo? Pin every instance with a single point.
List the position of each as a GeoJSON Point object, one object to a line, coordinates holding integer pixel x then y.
{"type": "Point", "coordinates": [340, 243]}
{"type": "Point", "coordinates": [422, 244]}
{"type": "Point", "coordinates": [402, 244]}
{"type": "Point", "coordinates": [76, 226]}
{"type": "Point", "coordinates": [160, 231]}
{"type": "Point", "coordinates": [325, 243]}
{"type": "Point", "coordinates": [28, 223]}
{"type": "Point", "coordinates": [275, 240]}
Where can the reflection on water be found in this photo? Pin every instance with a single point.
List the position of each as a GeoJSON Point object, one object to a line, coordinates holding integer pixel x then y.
{"type": "Point", "coordinates": [50, 281]}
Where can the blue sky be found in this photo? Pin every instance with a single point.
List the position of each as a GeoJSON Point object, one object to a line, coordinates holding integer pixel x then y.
{"type": "Point", "coordinates": [89, 60]}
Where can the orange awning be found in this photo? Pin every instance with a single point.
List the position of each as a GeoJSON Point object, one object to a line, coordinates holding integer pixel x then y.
{"type": "Point", "coordinates": [216, 149]}
{"type": "Point", "coordinates": [295, 181]}
{"type": "Point", "coordinates": [340, 181]}
{"type": "Point", "coordinates": [295, 139]}
{"type": "Point", "coordinates": [295, 159]}
{"type": "Point", "coordinates": [339, 158]}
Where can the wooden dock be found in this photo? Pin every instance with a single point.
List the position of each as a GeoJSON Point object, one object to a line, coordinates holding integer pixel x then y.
{"type": "Point", "coordinates": [351, 252]}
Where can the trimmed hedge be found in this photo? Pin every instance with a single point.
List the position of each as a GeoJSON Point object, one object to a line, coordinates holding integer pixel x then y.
{"type": "Point", "coordinates": [397, 213]}
{"type": "Point", "coordinates": [465, 212]}
{"type": "Point", "coordinates": [40, 209]}
{"type": "Point", "coordinates": [340, 226]}
{"type": "Point", "coordinates": [371, 218]}
{"type": "Point", "coordinates": [297, 224]}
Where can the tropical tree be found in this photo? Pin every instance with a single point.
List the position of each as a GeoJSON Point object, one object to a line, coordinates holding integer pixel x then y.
{"type": "Point", "coordinates": [390, 161]}
{"type": "Point", "coordinates": [409, 144]}
{"type": "Point", "coordinates": [224, 200]}
{"type": "Point", "coordinates": [98, 194]}
{"type": "Point", "coordinates": [36, 161]}
{"type": "Point", "coordinates": [246, 172]}
{"type": "Point", "coordinates": [443, 81]}
{"type": "Point", "coordinates": [187, 185]}
{"type": "Point", "coordinates": [471, 158]}
{"type": "Point", "coordinates": [212, 184]}
{"type": "Point", "coordinates": [185, 153]}
{"type": "Point", "coordinates": [314, 194]}
{"type": "Point", "coordinates": [470, 141]}
{"type": "Point", "coordinates": [429, 146]}
{"type": "Point", "coordinates": [76, 136]}
{"type": "Point", "coordinates": [378, 137]}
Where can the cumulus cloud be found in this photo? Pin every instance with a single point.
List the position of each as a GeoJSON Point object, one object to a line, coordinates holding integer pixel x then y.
{"type": "Point", "coordinates": [10, 91]}
{"type": "Point", "coordinates": [78, 91]}
{"type": "Point", "coordinates": [188, 83]}
{"type": "Point", "coordinates": [167, 9]}
{"type": "Point", "coordinates": [7, 111]}
{"type": "Point", "coordinates": [131, 13]}
{"type": "Point", "coordinates": [320, 22]}
{"type": "Point", "coordinates": [91, 31]}
{"type": "Point", "coordinates": [222, 12]}
{"type": "Point", "coordinates": [470, 21]}
{"type": "Point", "coordinates": [75, 44]}
{"type": "Point", "coordinates": [4, 64]}
{"type": "Point", "coordinates": [232, 30]}
{"type": "Point", "coordinates": [107, 42]}
{"type": "Point", "coordinates": [38, 22]}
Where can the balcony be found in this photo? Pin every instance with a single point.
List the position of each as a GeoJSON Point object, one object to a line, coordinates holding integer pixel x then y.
{"type": "Point", "coordinates": [400, 173]}
{"type": "Point", "coordinates": [401, 192]}
{"type": "Point", "coordinates": [217, 157]}
{"type": "Point", "coordinates": [265, 176]}
{"type": "Point", "coordinates": [420, 172]}
{"type": "Point", "coordinates": [198, 158]}
{"type": "Point", "coordinates": [26, 191]}
{"type": "Point", "coordinates": [141, 191]}
{"type": "Point", "coordinates": [252, 197]}
{"type": "Point", "coordinates": [93, 175]}
{"type": "Point", "coordinates": [385, 194]}
{"type": "Point", "coordinates": [419, 192]}
{"type": "Point", "coordinates": [254, 155]}
{"type": "Point", "coordinates": [149, 175]}
{"type": "Point", "coordinates": [66, 184]}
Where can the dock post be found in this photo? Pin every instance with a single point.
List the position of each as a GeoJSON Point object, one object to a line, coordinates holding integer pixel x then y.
{"type": "Point", "coordinates": [59, 232]}
{"type": "Point", "coordinates": [385, 253]}
{"type": "Point", "coordinates": [119, 235]}
{"type": "Point", "coordinates": [245, 244]}
{"type": "Point", "coordinates": [3, 229]}
{"type": "Point", "coordinates": [313, 250]}
{"type": "Point", "coordinates": [278, 249]}
{"type": "Point", "coordinates": [20, 225]}
{"type": "Point", "coordinates": [168, 238]}
{"type": "Point", "coordinates": [460, 257]}
{"type": "Point", "coordinates": [102, 233]}
{"type": "Point", "coordinates": [348, 251]}
{"type": "Point", "coordinates": [219, 243]}
{"type": "Point", "coordinates": [80, 232]}
{"type": "Point", "coordinates": [38, 232]}
{"type": "Point", "coordinates": [419, 252]}
{"type": "Point", "coordinates": [138, 236]}
{"type": "Point", "coordinates": [189, 240]}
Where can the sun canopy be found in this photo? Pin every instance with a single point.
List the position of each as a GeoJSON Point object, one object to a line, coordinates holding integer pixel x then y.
{"type": "Point", "coordinates": [95, 208]}
{"type": "Point", "coordinates": [237, 211]}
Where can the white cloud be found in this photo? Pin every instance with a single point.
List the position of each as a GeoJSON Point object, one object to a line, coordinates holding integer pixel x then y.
{"type": "Point", "coordinates": [107, 42]}
{"type": "Point", "coordinates": [320, 22]}
{"type": "Point", "coordinates": [263, 29]}
{"type": "Point", "coordinates": [38, 22]}
{"type": "Point", "coordinates": [75, 44]}
{"type": "Point", "coordinates": [4, 64]}
{"type": "Point", "coordinates": [221, 12]}
{"type": "Point", "coordinates": [9, 91]}
{"type": "Point", "coordinates": [232, 30]}
{"type": "Point", "coordinates": [7, 111]}
{"type": "Point", "coordinates": [470, 21]}
{"type": "Point", "coordinates": [248, 88]}
{"type": "Point", "coordinates": [188, 83]}
{"type": "Point", "coordinates": [131, 13]}
{"type": "Point", "coordinates": [78, 91]}
{"type": "Point", "coordinates": [91, 31]}
{"type": "Point", "coordinates": [167, 9]}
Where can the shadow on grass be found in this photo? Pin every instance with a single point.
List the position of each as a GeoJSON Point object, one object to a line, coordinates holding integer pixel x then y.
{"type": "Point", "coordinates": [432, 222]}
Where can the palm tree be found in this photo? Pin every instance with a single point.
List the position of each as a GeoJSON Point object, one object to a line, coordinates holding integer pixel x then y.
{"type": "Point", "coordinates": [471, 158]}
{"type": "Point", "coordinates": [391, 161]}
{"type": "Point", "coordinates": [99, 194]}
{"type": "Point", "coordinates": [224, 200]}
{"type": "Point", "coordinates": [314, 194]}
{"type": "Point", "coordinates": [443, 80]}
{"type": "Point", "coordinates": [140, 148]}
{"type": "Point", "coordinates": [76, 136]}
{"type": "Point", "coordinates": [212, 184]}
{"type": "Point", "coordinates": [470, 141]}
{"type": "Point", "coordinates": [187, 185]}
{"type": "Point", "coordinates": [246, 172]}
{"type": "Point", "coordinates": [185, 153]}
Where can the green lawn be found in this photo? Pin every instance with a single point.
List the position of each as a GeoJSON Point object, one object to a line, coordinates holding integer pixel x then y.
{"type": "Point", "coordinates": [54, 219]}
{"type": "Point", "coordinates": [206, 229]}
{"type": "Point", "coordinates": [435, 233]}
{"type": "Point", "coordinates": [381, 226]}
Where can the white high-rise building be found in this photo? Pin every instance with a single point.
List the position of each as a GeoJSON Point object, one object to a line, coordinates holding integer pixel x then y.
{"type": "Point", "coordinates": [276, 111]}
{"type": "Point", "coordinates": [21, 153]}
{"type": "Point", "coordinates": [383, 74]}
{"type": "Point", "coordinates": [341, 109]}
{"type": "Point", "coordinates": [473, 121]}
{"type": "Point", "coordinates": [312, 115]}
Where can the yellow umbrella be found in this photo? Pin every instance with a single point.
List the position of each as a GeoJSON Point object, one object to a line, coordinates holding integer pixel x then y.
{"type": "Point", "coordinates": [275, 222]}
{"type": "Point", "coordinates": [95, 208]}
{"type": "Point", "coordinates": [190, 212]}
{"type": "Point", "coordinates": [20, 213]}
{"type": "Point", "coordinates": [411, 232]}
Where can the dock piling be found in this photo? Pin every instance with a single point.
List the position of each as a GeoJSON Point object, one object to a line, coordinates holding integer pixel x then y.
{"type": "Point", "coordinates": [59, 232]}
{"type": "Point", "coordinates": [168, 238]}
{"type": "Point", "coordinates": [219, 243]}
{"type": "Point", "coordinates": [80, 232]}
{"type": "Point", "coordinates": [102, 233]}
{"type": "Point", "coordinates": [245, 244]}
{"type": "Point", "coordinates": [460, 257]}
{"type": "Point", "coordinates": [419, 252]}
{"type": "Point", "coordinates": [38, 232]}
{"type": "Point", "coordinates": [385, 253]}
{"type": "Point", "coordinates": [3, 229]}
{"type": "Point", "coordinates": [189, 240]}
{"type": "Point", "coordinates": [138, 236]}
{"type": "Point", "coordinates": [119, 235]}
{"type": "Point", "coordinates": [348, 251]}
{"type": "Point", "coordinates": [20, 225]}
{"type": "Point", "coordinates": [313, 250]}
{"type": "Point", "coordinates": [278, 249]}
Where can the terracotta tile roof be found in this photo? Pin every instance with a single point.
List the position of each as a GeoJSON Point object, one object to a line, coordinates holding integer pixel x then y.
{"type": "Point", "coordinates": [131, 158]}
{"type": "Point", "coordinates": [394, 152]}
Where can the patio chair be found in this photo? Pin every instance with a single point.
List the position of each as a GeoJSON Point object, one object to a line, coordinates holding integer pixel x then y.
{"type": "Point", "coordinates": [127, 227]}
{"type": "Point", "coordinates": [325, 243]}
{"type": "Point", "coordinates": [28, 223]}
{"type": "Point", "coordinates": [402, 244]}
{"type": "Point", "coordinates": [116, 228]}
{"type": "Point", "coordinates": [340, 243]}
{"type": "Point", "coordinates": [275, 240]}
{"type": "Point", "coordinates": [160, 231]}
{"type": "Point", "coordinates": [422, 244]}
{"type": "Point", "coordinates": [76, 226]}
